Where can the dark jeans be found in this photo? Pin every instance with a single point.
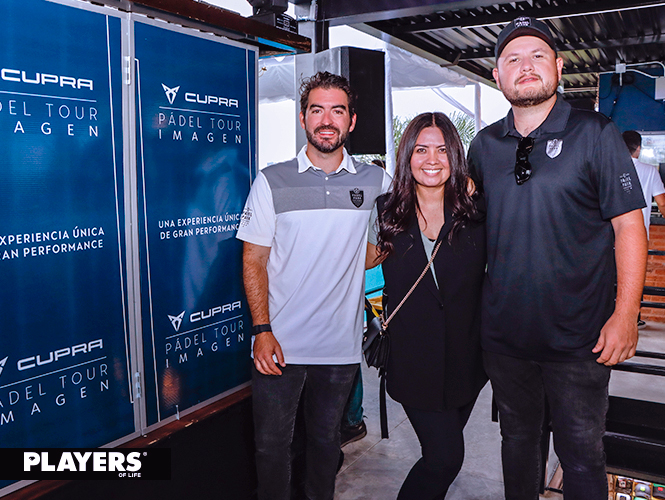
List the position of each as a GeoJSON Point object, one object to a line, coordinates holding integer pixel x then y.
{"type": "Point", "coordinates": [442, 443]}
{"type": "Point", "coordinates": [578, 399]}
{"type": "Point", "coordinates": [275, 401]}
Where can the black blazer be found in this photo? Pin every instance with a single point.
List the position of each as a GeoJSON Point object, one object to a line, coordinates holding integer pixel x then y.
{"type": "Point", "coordinates": [435, 359]}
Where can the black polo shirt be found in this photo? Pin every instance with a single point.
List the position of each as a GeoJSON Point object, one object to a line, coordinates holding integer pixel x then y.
{"type": "Point", "coordinates": [550, 278]}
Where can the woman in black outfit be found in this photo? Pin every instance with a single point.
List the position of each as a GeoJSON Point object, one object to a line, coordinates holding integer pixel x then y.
{"type": "Point", "coordinates": [434, 368]}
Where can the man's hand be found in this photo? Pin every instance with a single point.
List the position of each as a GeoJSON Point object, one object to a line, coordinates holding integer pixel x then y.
{"type": "Point", "coordinates": [618, 339]}
{"type": "Point", "coordinates": [265, 345]}
{"type": "Point", "coordinates": [255, 275]}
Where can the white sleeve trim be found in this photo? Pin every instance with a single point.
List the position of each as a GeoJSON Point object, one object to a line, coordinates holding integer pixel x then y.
{"type": "Point", "coordinates": [387, 182]}
{"type": "Point", "coordinates": [257, 224]}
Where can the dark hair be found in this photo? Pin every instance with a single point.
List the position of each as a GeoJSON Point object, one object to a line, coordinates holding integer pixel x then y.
{"type": "Point", "coordinates": [632, 139]}
{"type": "Point", "coordinates": [325, 80]}
{"type": "Point", "coordinates": [379, 163]}
{"type": "Point", "coordinates": [402, 203]}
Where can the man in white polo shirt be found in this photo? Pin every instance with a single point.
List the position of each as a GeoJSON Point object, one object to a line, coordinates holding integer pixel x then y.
{"type": "Point", "coordinates": [305, 233]}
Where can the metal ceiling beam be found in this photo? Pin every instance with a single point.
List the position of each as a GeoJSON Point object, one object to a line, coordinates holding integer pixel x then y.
{"type": "Point", "coordinates": [424, 53]}
{"type": "Point", "coordinates": [487, 52]}
{"type": "Point", "coordinates": [570, 90]}
{"type": "Point", "coordinates": [612, 44]}
{"type": "Point", "coordinates": [588, 70]}
{"type": "Point", "coordinates": [504, 15]}
{"type": "Point", "coordinates": [340, 12]}
{"type": "Point", "coordinates": [607, 68]}
{"type": "Point", "coordinates": [451, 56]}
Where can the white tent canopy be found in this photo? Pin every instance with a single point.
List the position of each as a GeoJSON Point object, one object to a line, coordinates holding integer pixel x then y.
{"type": "Point", "coordinates": [277, 80]}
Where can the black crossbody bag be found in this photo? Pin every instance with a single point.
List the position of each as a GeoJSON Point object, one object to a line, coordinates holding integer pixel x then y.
{"type": "Point", "coordinates": [376, 342]}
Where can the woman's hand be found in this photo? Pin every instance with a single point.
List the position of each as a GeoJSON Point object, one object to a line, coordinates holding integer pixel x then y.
{"type": "Point", "coordinates": [373, 258]}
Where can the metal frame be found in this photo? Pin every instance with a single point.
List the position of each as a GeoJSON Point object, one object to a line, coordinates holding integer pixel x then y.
{"type": "Point", "coordinates": [144, 427]}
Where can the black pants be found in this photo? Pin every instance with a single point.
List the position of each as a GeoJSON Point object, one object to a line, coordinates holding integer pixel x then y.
{"type": "Point", "coordinates": [578, 398]}
{"type": "Point", "coordinates": [442, 443]}
{"type": "Point", "coordinates": [275, 399]}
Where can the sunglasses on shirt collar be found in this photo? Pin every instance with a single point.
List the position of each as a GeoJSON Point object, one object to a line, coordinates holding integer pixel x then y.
{"type": "Point", "coordinates": [522, 164]}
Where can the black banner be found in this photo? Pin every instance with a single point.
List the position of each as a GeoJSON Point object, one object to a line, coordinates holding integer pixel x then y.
{"type": "Point", "coordinates": [85, 463]}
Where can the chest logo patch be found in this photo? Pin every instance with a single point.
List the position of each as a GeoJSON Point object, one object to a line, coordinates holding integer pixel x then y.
{"type": "Point", "coordinates": [357, 197]}
{"type": "Point", "coordinates": [554, 147]}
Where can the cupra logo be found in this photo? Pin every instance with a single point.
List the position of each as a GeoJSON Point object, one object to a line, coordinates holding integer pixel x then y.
{"type": "Point", "coordinates": [170, 95]}
{"type": "Point", "coordinates": [176, 321]}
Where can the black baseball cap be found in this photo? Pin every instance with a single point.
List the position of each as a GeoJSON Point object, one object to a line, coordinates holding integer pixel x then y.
{"type": "Point", "coordinates": [523, 26]}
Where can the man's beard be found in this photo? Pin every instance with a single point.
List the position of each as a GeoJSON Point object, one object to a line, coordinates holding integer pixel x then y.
{"type": "Point", "coordinates": [532, 97]}
{"type": "Point", "coordinates": [325, 146]}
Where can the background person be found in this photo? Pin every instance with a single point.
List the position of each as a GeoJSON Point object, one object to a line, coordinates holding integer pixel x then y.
{"type": "Point", "coordinates": [650, 180]}
{"type": "Point", "coordinates": [305, 232]}
{"type": "Point", "coordinates": [652, 184]}
{"type": "Point", "coordinates": [561, 191]}
{"type": "Point", "coordinates": [435, 367]}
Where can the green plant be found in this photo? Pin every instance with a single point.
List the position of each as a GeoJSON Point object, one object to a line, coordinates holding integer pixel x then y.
{"type": "Point", "coordinates": [465, 126]}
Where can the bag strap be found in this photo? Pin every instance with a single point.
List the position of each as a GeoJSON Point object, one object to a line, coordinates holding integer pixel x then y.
{"type": "Point", "coordinates": [384, 324]}
{"type": "Point", "coordinates": [383, 411]}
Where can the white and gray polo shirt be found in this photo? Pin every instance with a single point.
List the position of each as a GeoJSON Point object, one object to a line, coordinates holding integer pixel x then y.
{"type": "Point", "coordinates": [316, 226]}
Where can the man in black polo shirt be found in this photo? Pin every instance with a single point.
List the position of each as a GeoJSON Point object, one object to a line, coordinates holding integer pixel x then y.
{"type": "Point", "coordinates": [561, 192]}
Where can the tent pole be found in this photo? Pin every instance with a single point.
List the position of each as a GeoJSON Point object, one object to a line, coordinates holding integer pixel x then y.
{"type": "Point", "coordinates": [390, 135]}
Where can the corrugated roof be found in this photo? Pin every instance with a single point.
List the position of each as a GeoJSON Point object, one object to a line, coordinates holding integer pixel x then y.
{"type": "Point", "coordinates": [591, 36]}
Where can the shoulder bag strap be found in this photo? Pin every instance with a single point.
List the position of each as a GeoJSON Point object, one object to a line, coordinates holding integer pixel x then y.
{"type": "Point", "coordinates": [384, 324]}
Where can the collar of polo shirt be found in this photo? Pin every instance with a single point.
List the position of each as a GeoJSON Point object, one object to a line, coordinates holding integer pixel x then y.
{"type": "Point", "coordinates": [304, 162]}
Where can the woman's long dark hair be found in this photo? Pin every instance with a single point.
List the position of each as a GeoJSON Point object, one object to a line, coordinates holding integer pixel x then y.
{"type": "Point", "coordinates": [402, 203]}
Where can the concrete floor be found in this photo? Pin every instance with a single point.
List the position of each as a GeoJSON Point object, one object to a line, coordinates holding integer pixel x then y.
{"type": "Point", "coordinates": [375, 468]}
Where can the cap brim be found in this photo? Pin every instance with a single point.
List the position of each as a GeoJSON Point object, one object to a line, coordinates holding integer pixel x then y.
{"type": "Point", "coordinates": [525, 31]}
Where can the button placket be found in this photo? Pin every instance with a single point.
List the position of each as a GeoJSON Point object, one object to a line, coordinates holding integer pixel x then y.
{"type": "Point", "coordinates": [326, 178]}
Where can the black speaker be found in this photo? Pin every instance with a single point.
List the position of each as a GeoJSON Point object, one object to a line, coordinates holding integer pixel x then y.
{"type": "Point", "coordinates": [365, 70]}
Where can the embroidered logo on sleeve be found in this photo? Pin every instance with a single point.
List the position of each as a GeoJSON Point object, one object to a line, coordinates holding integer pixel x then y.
{"type": "Point", "coordinates": [245, 217]}
{"type": "Point", "coordinates": [554, 147]}
{"type": "Point", "coordinates": [357, 197]}
{"type": "Point", "coordinates": [626, 182]}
